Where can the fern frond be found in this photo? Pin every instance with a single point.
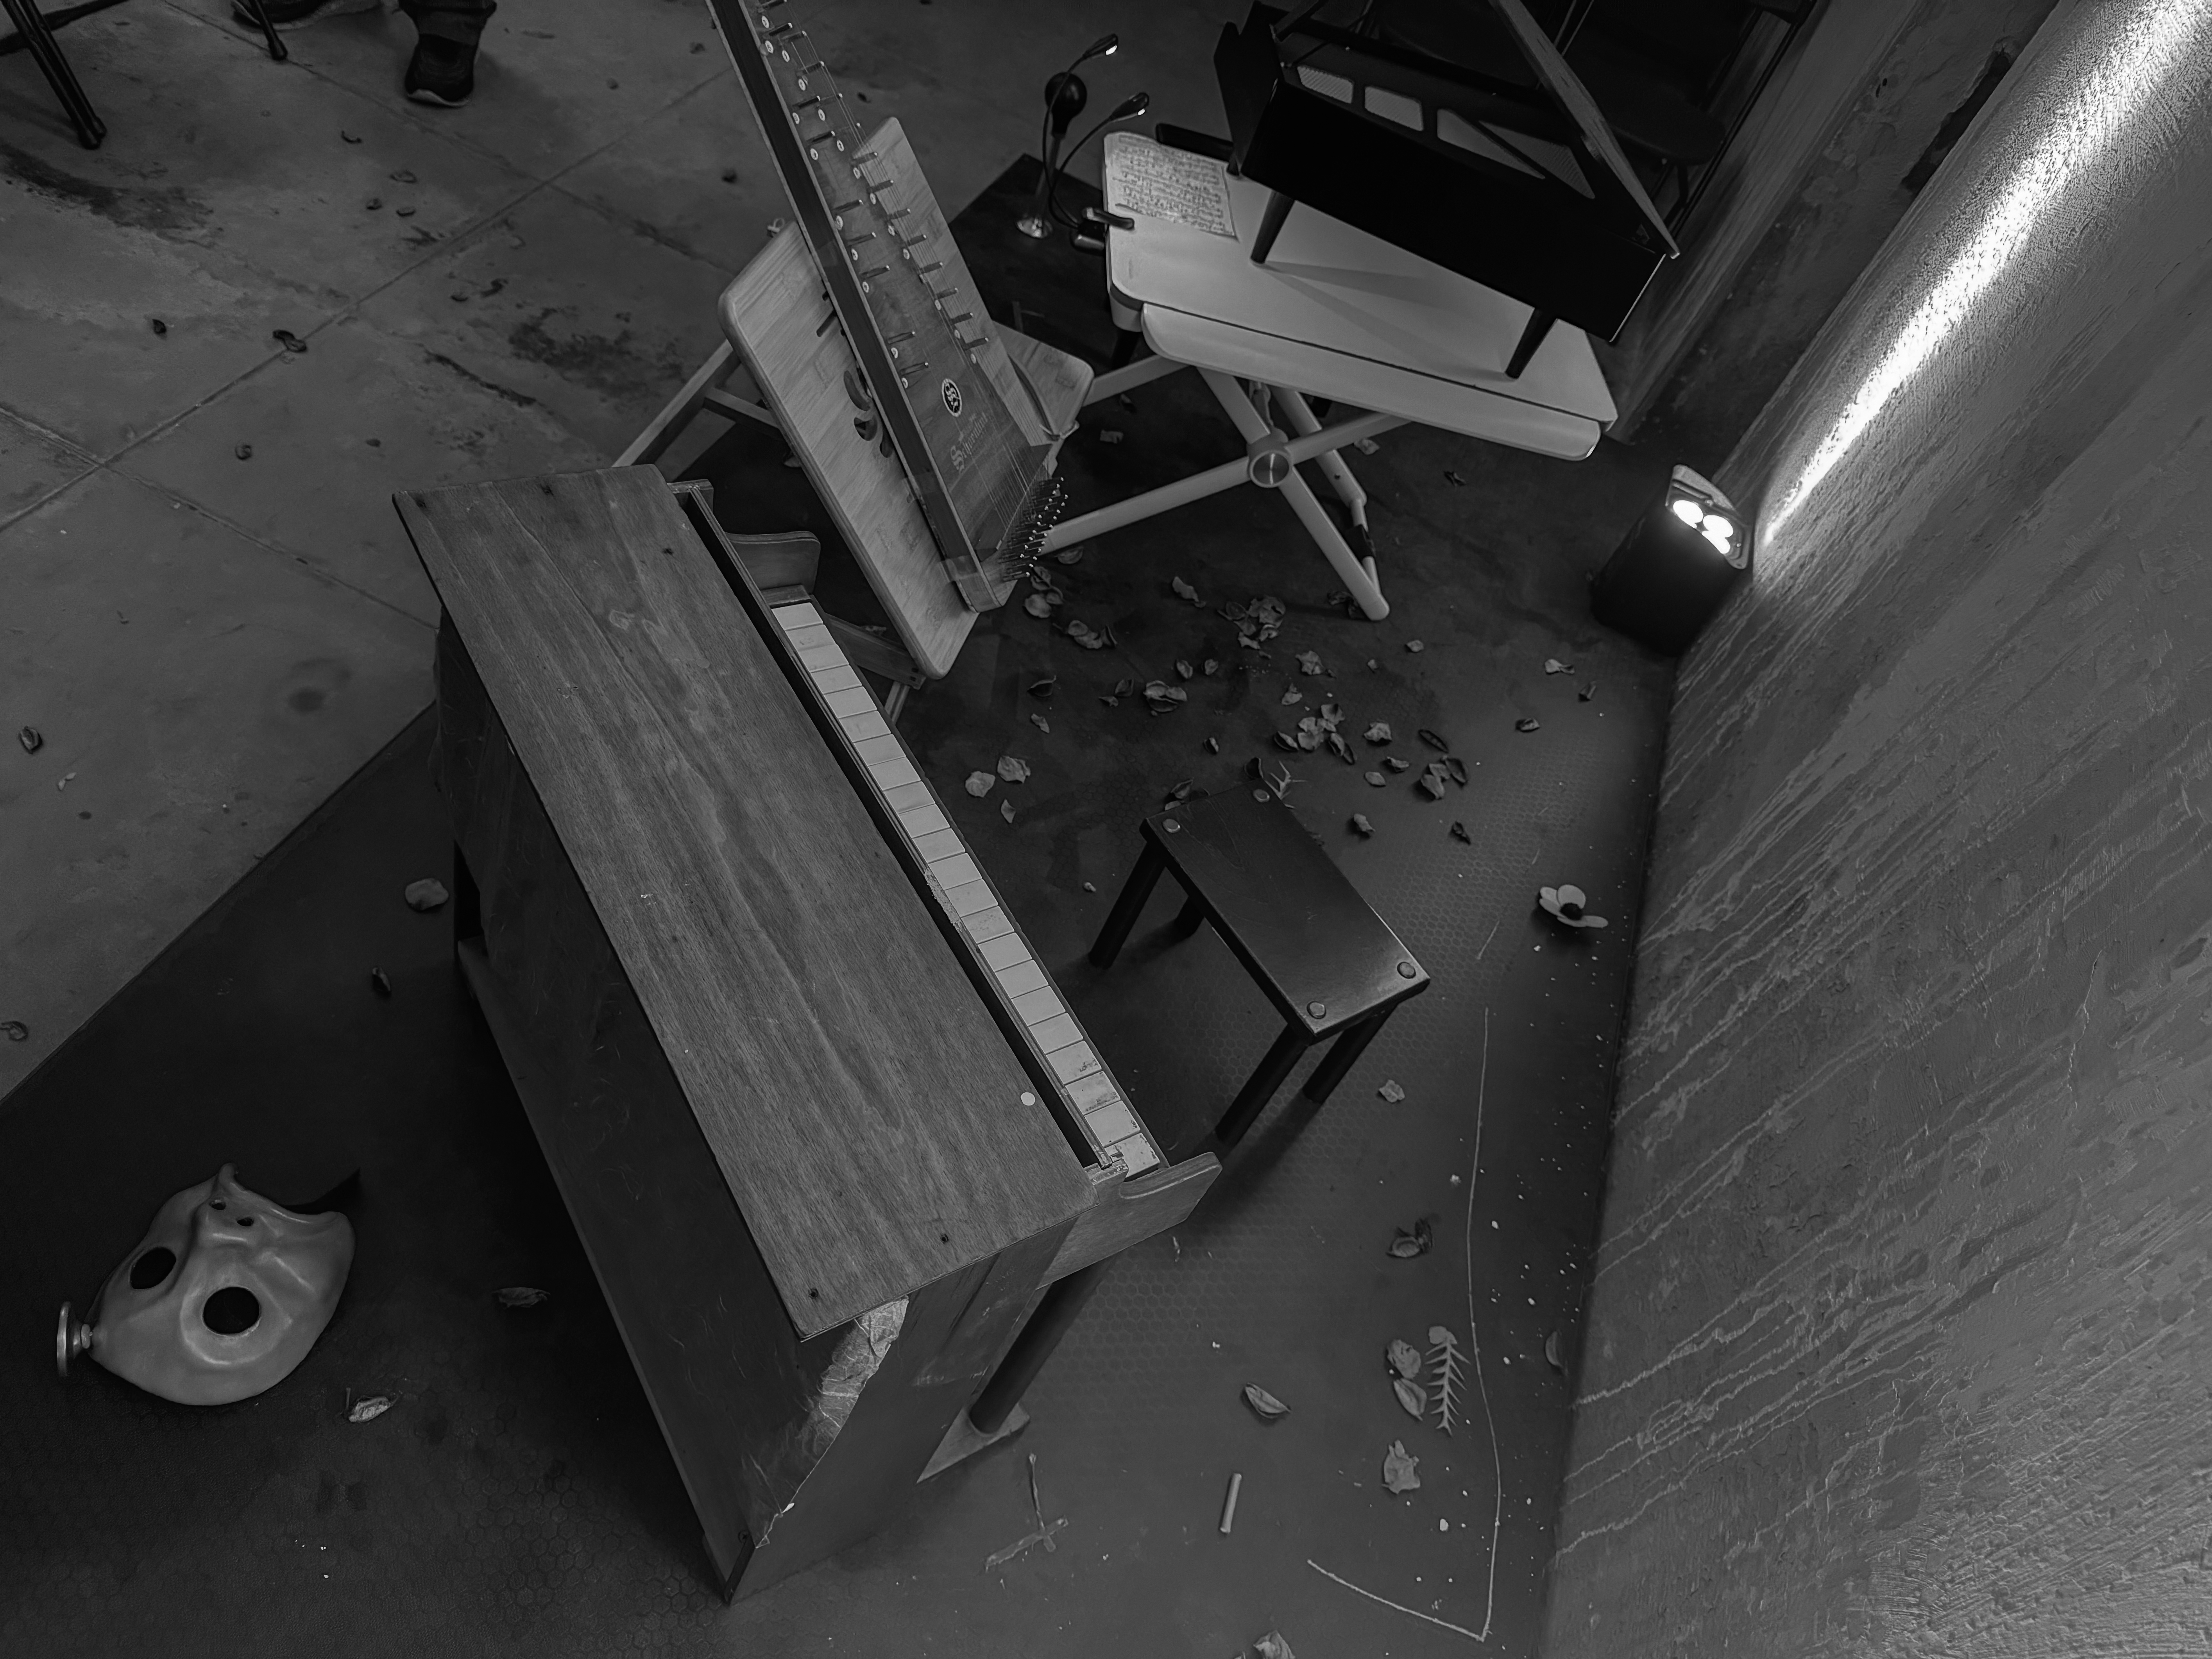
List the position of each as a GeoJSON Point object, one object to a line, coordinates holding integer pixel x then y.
{"type": "Point", "coordinates": [1448, 1375]}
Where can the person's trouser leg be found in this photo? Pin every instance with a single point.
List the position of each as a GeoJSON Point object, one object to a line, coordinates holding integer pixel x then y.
{"type": "Point", "coordinates": [461, 21]}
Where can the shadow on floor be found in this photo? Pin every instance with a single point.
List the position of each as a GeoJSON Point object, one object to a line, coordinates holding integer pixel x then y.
{"type": "Point", "coordinates": [517, 1496]}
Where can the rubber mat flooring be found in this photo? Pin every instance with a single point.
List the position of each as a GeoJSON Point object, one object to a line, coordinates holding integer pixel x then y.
{"type": "Point", "coordinates": [517, 1497]}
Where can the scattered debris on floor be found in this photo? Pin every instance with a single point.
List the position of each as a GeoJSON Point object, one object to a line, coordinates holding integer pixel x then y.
{"type": "Point", "coordinates": [1398, 1469]}
{"type": "Point", "coordinates": [244, 451]}
{"type": "Point", "coordinates": [349, 139]}
{"type": "Point", "coordinates": [63, 781]}
{"type": "Point", "coordinates": [1360, 826]}
{"type": "Point", "coordinates": [1587, 692]}
{"type": "Point", "coordinates": [1293, 695]}
{"type": "Point", "coordinates": [1525, 726]}
{"type": "Point", "coordinates": [379, 983]}
{"type": "Point", "coordinates": [403, 177]}
{"type": "Point", "coordinates": [31, 740]}
{"type": "Point", "coordinates": [1180, 792]}
{"type": "Point", "coordinates": [1013, 771]}
{"type": "Point", "coordinates": [1396, 764]}
{"type": "Point", "coordinates": [426, 894]}
{"type": "Point", "coordinates": [1378, 731]}
{"type": "Point", "coordinates": [1435, 740]}
{"type": "Point", "coordinates": [1089, 638]}
{"type": "Point", "coordinates": [1415, 646]}
{"type": "Point", "coordinates": [1069, 556]}
{"type": "Point", "coordinates": [1459, 833]}
{"type": "Point", "coordinates": [1213, 745]}
{"type": "Point", "coordinates": [1042, 1534]}
{"type": "Point", "coordinates": [1229, 1504]}
{"type": "Point", "coordinates": [1411, 1395]}
{"type": "Point", "coordinates": [1042, 690]}
{"type": "Point", "coordinates": [1552, 1353]}
{"type": "Point", "coordinates": [1451, 476]}
{"type": "Point", "coordinates": [1006, 810]}
{"type": "Point", "coordinates": [1183, 670]}
{"type": "Point", "coordinates": [1089, 888]}
{"type": "Point", "coordinates": [1110, 435]}
{"type": "Point", "coordinates": [1564, 906]}
{"type": "Point", "coordinates": [1377, 780]}
{"type": "Point", "coordinates": [1273, 1646]}
{"type": "Point", "coordinates": [1419, 1242]}
{"type": "Point", "coordinates": [369, 1408]}
{"type": "Point", "coordinates": [1431, 780]}
{"type": "Point", "coordinates": [980, 784]}
{"type": "Point", "coordinates": [1256, 623]}
{"type": "Point", "coordinates": [1183, 590]}
{"type": "Point", "coordinates": [1554, 665]}
{"type": "Point", "coordinates": [522, 1295]}
{"type": "Point", "coordinates": [289, 341]}
{"type": "Point", "coordinates": [1309, 663]}
{"type": "Point", "coordinates": [1390, 1091]}
{"type": "Point", "coordinates": [1447, 1375]}
{"type": "Point", "coordinates": [15, 1030]}
{"type": "Point", "coordinates": [1038, 605]}
{"type": "Point", "coordinates": [157, 326]}
{"type": "Point", "coordinates": [1264, 1405]}
{"type": "Point", "coordinates": [1041, 722]}
{"type": "Point", "coordinates": [1162, 697]}
{"type": "Point", "coordinates": [1405, 1358]}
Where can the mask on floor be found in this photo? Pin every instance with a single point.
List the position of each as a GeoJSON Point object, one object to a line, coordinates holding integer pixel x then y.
{"type": "Point", "coordinates": [222, 1299]}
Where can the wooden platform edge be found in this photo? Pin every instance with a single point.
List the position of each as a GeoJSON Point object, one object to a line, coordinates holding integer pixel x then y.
{"type": "Point", "coordinates": [1133, 1210]}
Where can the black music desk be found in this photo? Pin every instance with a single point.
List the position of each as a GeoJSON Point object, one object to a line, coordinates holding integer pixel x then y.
{"type": "Point", "coordinates": [824, 1166]}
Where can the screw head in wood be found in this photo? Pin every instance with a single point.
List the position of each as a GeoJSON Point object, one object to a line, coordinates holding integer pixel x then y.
{"type": "Point", "coordinates": [1407, 970]}
{"type": "Point", "coordinates": [1317, 1009]}
{"type": "Point", "coordinates": [1171, 826]}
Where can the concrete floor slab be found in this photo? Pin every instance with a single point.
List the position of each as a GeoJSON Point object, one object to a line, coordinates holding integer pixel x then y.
{"type": "Point", "coordinates": [557, 80]}
{"type": "Point", "coordinates": [198, 696]}
{"type": "Point", "coordinates": [595, 322]}
{"type": "Point", "coordinates": [213, 145]}
{"type": "Point", "coordinates": [333, 433]}
{"type": "Point", "coordinates": [33, 464]}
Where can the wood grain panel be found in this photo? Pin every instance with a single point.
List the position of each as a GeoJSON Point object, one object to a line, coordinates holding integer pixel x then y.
{"type": "Point", "coordinates": [863, 1109]}
{"type": "Point", "coordinates": [1133, 1210]}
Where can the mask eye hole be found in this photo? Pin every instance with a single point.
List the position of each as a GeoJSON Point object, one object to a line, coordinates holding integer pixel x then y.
{"type": "Point", "coordinates": [245, 1221]}
{"type": "Point", "coordinates": [151, 1269]}
{"type": "Point", "coordinates": [231, 1309]}
{"type": "Point", "coordinates": [218, 1204]}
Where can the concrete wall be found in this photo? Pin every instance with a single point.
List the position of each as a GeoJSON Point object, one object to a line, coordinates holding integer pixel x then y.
{"type": "Point", "coordinates": [1901, 1338]}
{"type": "Point", "coordinates": [1804, 197]}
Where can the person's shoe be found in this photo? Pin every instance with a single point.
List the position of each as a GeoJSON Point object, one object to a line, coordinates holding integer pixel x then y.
{"type": "Point", "coordinates": [298, 14]}
{"type": "Point", "coordinates": [442, 72]}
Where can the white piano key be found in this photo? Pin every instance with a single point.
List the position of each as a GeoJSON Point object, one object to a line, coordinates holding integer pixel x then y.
{"type": "Point", "coordinates": [1113, 1122]}
{"type": "Point", "coordinates": [1036, 1008]}
{"type": "Point", "coordinates": [967, 901]}
{"type": "Point", "coordinates": [1097, 1089]}
{"type": "Point", "coordinates": [898, 775]}
{"type": "Point", "coordinates": [830, 680]}
{"type": "Point", "coordinates": [1056, 1032]}
{"type": "Point", "coordinates": [920, 821]}
{"type": "Point", "coordinates": [846, 704]}
{"type": "Point", "coordinates": [987, 925]}
{"type": "Point", "coordinates": [807, 638]}
{"type": "Point", "coordinates": [1075, 1061]}
{"type": "Point", "coordinates": [938, 844]}
{"type": "Point", "coordinates": [866, 724]}
{"type": "Point", "coordinates": [907, 794]}
{"type": "Point", "coordinates": [879, 752]}
{"type": "Point", "coordinates": [798, 614]}
{"type": "Point", "coordinates": [1023, 977]}
{"type": "Point", "coordinates": [1138, 1153]}
{"type": "Point", "coordinates": [957, 870]}
{"type": "Point", "coordinates": [1007, 950]}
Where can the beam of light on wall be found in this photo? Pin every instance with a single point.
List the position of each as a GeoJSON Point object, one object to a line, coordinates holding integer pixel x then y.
{"type": "Point", "coordinates": [2080, 134]}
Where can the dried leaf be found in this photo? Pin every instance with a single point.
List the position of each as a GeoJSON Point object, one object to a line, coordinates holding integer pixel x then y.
{"type": "Point", "coordinates": [1309, 741]}
{"type": "Point", "coordinates": [1365, 446]}
{"type": "Point", "coordinates": [1342, 750]}
{"type": "Point", "coordinates": [1434, 740]}
{"type": "Point", "coordinates": [1123, 687]}
{"type": "Point", "coordinates": [1405, 1360]}
{"type": "Point", "coordinates": [403, 177]}
{"type": "Point", "coordinates": [1376, 779]}
{"type": "Point", "coordinates": [1430, 784]}
{"type": "Point", "coordinates": [1552, 1353]}
{"type": "Point", "coordinates": [1211, 665]}
{"type": "Point", "coordinates": [1459, 833]}
{"type": "Point", "coordinates": [350, 138]}
{"type": "Point", "coordinates": [1377, 732]}
{"type": "Point", "coordinates": [1446, 1373]}
{"type": "Point", "coordinates": [1554, 665]}
{"type": "Point", "coordinates": [1069, 556]}
{"type": "Point", "coordinates": [1183, 590]}
{"type": "Point", "coordinates": [1293, 695]}
{"type": "Point", "coordinates": [1180, 792]}
{"type": "Point", "coordinates": [980, 783]}
{"type": "Point", "coordinates": [1013, 771]}
{"type": "Point", "coordinates": [289, 341]}
{"type": "Point", "coordinates": [1273, 1646]}
{"type": "Point", "coordinates": [1457, 769]}
{"type": "Point", "coordinates": [1183, 670]}
{"type": "Point", "coordinates": [1415, 646]}
{"type": "Point", "coordinates": [1411, 1395]}
{"type": "Point", "coordinates": [1407, 1245]}
{"type": "Point", "coordinates": [522, 1295]}
{"type": "Point", "coordinates": [1089, 888]}
{"type": "Point", "coordinates": [1285, 740]}
{"type": "Point", "coordinates": [1309, 663]}
{"type": "Point", "coordinates": [1453, 477]}
{"type": "Point", "coordinates": [1006, 810]}
{"type": "Point", "coordinates": [370, 1409]}
{"type": "Point", "coordinates": [1360, 825]}
{"type": "Point", "coordinates": [1213, 745]}
{"type": "Point", "coordinates": [1037, 605]}
{"type": "Point", "coordinates": [1587, 692]}
{"type": "Point", "coordinates": [1041, 722]}
{"type": "Point", "coordinates": [1390, 1091]}
{"type": "Point", "coordinates": [426, 894]}
{"type": "Point", "coordinates": [1398, 1468]}
{"type": "Point", "coordinates": [1268, 1408]}
{"type": "Point", "coordinates": [31, 740]}
{"type": "Point", "coordinates": [1160, 694]}
{"type": "Point", "coordinates": [244, 451]}
{"type": "Point", "coordinates": [379, 983]}
{"type": "Point", "coordinates": [15, 1030]}
{"type": "Point", "coordinates": [1524, 726]}
{"type": "Point", "coordinates": [1397, 765]}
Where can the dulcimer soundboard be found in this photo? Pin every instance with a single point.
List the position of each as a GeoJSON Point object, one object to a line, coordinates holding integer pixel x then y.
{"type": "Point", "coordinates": [971, 434]}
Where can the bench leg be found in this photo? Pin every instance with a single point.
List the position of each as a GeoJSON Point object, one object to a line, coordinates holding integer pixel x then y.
{"type": "Point", "coordinates": [1134, 892]}
{"type": "Point", "coordinates": [1187, 920]}
{"type": "Point", "coordinates": [1341, 1057]}
{"type": "Point", "coordinates": [1262, 1088]}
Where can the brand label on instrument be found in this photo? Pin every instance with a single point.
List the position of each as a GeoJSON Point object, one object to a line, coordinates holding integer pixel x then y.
{"type": "Point", "coordinates": [950, 393]}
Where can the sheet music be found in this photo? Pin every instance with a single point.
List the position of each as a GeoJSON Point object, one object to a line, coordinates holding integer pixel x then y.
{"type": "Point", "coordinates": [1161, 182]}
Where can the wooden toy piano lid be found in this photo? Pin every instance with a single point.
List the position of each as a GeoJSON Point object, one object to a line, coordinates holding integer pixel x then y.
{"type": "Point", "coordinates": [864, 1108]}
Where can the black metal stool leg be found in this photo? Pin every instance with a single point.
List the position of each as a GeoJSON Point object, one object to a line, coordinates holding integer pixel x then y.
{"type": "Point", "coordinates": [1341, 1057]}
{"type": "Point", "coordinates": [1123, 916]}
{"type": "Point", "coordinates": [1262, 1088]}
{"type": "Point", "coordinates": [39, 40]}
{"type": "Point", "coordinates": [1063, 1299]}
{"type": "Point", "coordinates": [276, 47]}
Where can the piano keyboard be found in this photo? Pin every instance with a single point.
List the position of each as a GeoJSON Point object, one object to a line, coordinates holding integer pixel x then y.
{"type": "Point", "coordinates": [959, 885]}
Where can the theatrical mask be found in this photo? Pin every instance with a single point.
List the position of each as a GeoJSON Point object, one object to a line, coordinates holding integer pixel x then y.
{"type": "Point", "coordinates": [222, 1298]}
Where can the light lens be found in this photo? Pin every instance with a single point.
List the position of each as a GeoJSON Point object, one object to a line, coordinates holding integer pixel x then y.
{"type": "Point", "coordinates": [1716, 526]}
{"type": "Point", "coordinates": [1689, 511]}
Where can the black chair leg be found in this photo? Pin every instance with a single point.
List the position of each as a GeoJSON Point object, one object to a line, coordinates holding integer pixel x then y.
{"type": "Point", "coordinates": [39, 40]}
{"type": "Point", "coordinates": [260, 14]}
{"type": "Point", "coordinates": [1341, 1057]}
{"type": "Point", "coordinates": [1262, 1088]}
{"type": "Point", "coordinates": [1123, 916]}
